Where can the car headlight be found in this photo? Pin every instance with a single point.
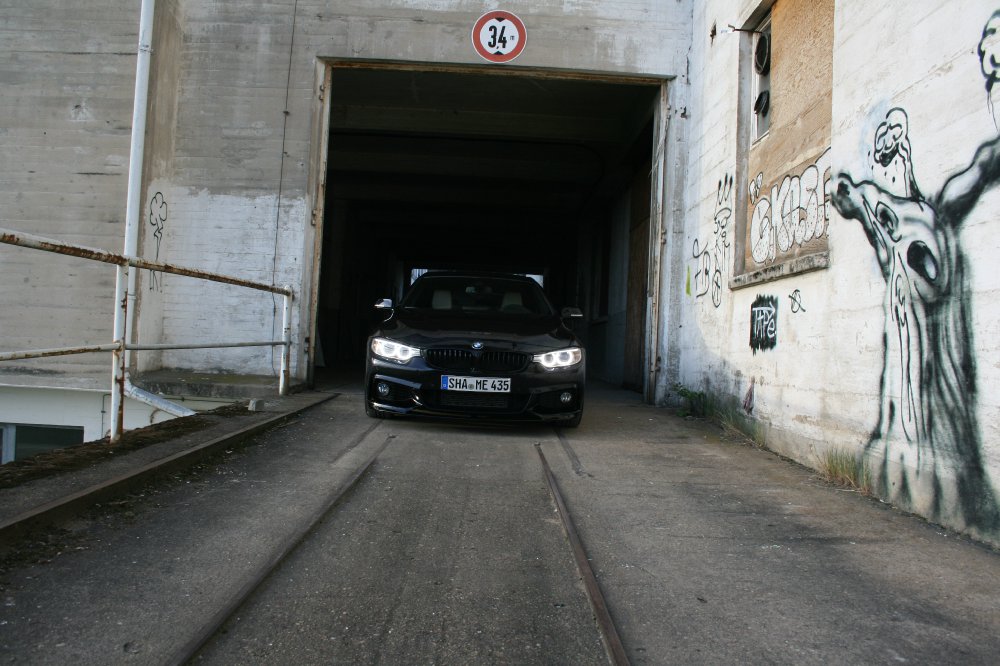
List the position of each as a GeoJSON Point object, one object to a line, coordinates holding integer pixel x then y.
{"type": "Point", "coordinates": [393, 351]}
{"type": "Point", "coordinates": [561, 358]}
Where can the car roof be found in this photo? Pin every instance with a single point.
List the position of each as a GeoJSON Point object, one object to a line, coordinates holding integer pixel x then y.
{"type": "Point", "coordinates": [476, 274]}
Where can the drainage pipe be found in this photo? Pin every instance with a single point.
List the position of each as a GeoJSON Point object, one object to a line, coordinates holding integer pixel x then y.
{"type": "Point", "coordinates": [125, 278]}
{"type": "Point", "coordinates": [157, 401]}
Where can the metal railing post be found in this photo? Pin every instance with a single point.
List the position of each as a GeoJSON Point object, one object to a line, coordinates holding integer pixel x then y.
{"type": "Point", "coordinates": [118, 357]}
{"type": "Point", "coordinates": [286, 338]}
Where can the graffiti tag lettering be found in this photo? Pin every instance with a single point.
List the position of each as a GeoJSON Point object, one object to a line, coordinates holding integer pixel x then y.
{"type": "Point", "coordinates": [713, 260]}
{"type": "Point", "coordinates": [796, 212]}
{"type": "Point", "coordinates": [764, 323]}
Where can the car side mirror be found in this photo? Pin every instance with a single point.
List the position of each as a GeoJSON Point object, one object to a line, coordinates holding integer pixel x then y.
{"type": "Point", "coordinates": [572, 313]}
{"type": "Point", "coordinates": [383, 304]}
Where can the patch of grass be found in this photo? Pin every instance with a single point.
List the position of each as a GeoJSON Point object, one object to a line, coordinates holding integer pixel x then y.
{"type": "Point", "coordinates": [844, 468]}
{"type": "Point", "coordinates": [734, 419]}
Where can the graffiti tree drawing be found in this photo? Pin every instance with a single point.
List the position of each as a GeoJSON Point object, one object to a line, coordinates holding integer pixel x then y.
{"type": "Point", "coordinates": [927, 443]}
{"type": "Point", "coordinates": [157, 219]}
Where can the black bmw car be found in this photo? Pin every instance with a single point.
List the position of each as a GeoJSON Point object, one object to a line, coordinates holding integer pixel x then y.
{"type": "Point", "coordinates": [468, 345]}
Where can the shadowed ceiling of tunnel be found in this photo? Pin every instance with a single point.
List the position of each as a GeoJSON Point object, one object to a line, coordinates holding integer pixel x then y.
{"type": "Point", "coordinates": [446, 141]}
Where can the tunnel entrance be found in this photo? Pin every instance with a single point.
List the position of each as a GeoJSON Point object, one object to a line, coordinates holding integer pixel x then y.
{"type": "Point", "coordinates": [532, 173]}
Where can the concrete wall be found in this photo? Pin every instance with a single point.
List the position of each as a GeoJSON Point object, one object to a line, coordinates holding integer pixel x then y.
{"type": "Point", "coordinates": [889, 352]}
{"type": "Point", "coordinates": [229, 144]}
{"type": "Point", "coordinates": [67, 73]}
{"type": "Point", "coordinates": [236, 185]}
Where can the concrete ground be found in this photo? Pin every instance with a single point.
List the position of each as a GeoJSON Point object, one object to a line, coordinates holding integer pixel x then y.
{"type": "Point", "coordinates": [713, 551]}
{"type": "Point", "coordinates": [449, 551]}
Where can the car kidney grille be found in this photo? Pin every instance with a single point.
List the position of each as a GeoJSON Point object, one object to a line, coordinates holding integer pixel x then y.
{"type": "Point", "coordinates": [463, 360]}
{"type": "Point", "coordinates": [503, 361]}
{"type": "Point", "coordinates": [449, 359]}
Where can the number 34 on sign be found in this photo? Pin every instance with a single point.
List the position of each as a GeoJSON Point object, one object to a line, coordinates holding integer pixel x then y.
{"type": "Point", "coordinates": [499, 36]}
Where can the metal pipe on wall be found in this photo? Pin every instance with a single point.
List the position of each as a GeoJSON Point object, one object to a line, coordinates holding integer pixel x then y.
{"type": "Point", "coordinates": [125, 278]}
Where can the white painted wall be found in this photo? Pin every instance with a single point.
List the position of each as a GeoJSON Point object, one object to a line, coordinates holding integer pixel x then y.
{"type": "Point", "coordinates": [820, 388]}
{"type": "Point", "coordinates": [233, 235]}
{"type": "Point", "coordinates": [79, 408]}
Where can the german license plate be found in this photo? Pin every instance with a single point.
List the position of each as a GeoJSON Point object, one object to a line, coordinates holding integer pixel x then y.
{"type": "Point", "coordinates": [476, 384]}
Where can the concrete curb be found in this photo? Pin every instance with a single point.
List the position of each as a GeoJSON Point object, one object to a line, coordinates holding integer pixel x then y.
{"type": "Point", "coordinates": [64, 507]}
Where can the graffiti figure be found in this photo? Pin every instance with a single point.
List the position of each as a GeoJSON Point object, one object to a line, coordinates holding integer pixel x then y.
{"type": "Point", "coordinates": [926, 445]}
{"type": "Point", "coordinates": [157, 218]}
{"type": "Point", "coordinates": [892, 152]}
{"type": "Point", "coordinates": [989, 62]}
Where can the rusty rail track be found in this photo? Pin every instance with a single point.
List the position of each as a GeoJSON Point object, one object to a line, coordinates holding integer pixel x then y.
{"type": "Point", "coordinates": [605, 623]}
{"type": "Point", "coordinates": [187, 652]}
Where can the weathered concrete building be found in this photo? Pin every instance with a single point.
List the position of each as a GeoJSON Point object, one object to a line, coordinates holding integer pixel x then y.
{"type": "Point", "coordinates": [783, 205]}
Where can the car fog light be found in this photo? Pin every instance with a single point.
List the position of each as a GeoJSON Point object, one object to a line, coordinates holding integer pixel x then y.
{"type": "Point", "coordinates": [565, 397]}
{"type": "Point", "coordinates": [383, 389]}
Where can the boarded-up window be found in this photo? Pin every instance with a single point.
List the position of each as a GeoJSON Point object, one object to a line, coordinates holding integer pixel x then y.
{"type": "Point", "coordinates": [786, 217]}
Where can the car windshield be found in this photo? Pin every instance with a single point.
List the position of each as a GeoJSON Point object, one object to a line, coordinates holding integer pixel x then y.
{"type": "Point", "coordinates": [475, 295]}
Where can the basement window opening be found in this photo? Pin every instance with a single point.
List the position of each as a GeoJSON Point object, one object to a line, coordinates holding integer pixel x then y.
{"type": "Point", "coordinates": [21, 440]}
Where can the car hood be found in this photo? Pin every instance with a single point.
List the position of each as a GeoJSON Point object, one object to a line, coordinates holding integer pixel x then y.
{"type": "Point", "coordinates": [527, 334]}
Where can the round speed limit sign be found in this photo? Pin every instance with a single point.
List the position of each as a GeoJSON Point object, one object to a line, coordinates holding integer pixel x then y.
{"type": "Point", "coordinates": [499, 36]}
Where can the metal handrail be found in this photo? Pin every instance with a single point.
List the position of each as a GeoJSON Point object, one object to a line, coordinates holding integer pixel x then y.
{"type": "Point", "coordinates": [119, 346]}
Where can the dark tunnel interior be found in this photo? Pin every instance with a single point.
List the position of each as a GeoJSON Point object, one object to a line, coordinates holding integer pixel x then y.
{"type": "Point", "coordinates": [489, 171]}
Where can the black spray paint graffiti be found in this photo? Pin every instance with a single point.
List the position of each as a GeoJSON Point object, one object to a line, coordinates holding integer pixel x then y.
{"type": "Point", "coordinates": [796, 298]}
{"type": "Point", "coordinates": [713, 260]}
{"type": "Point", "coordinates": [764, 323]}
{"type": "Point", "coordinates": [795, 212]}
{"type": "Point", "coordinates": [157, 218]}
{"type": "Point", "coordinates": [989, 59]}
{"type": "Point", "coordinates": [927, 440]}
{"type": "Point", "coordinates": [891, 156]}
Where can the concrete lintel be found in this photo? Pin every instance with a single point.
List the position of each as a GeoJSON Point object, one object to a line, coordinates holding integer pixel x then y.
{"type": "Point", "coordinates": [797, 266]}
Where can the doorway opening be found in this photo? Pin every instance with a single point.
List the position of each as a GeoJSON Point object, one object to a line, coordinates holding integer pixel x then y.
{"type": "Point", "coordinates": [520, 172]}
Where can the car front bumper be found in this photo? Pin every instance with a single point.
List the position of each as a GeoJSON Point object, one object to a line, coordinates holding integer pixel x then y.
{"type": "Point", "coordinates": [536, 394]}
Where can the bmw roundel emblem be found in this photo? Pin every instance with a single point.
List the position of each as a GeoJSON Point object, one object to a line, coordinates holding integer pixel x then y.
{"type": "Point", "coordinates": [477, 345]}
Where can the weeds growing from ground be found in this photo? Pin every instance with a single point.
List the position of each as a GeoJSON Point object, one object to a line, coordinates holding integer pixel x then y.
{"type": "Point", "coordinates": [844, 468]}
{"type": "Point", "coordinates": [733, 418]}
{"type": "Point", "coordinates": [696, 403]}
